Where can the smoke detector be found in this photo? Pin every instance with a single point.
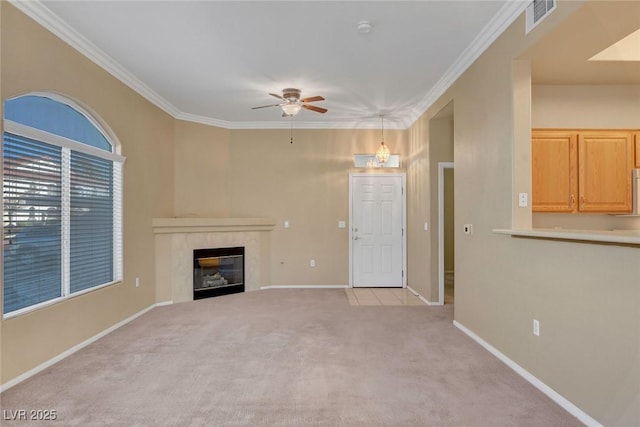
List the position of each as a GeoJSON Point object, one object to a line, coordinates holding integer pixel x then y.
{"type": "Point", "coordinates": [364, 27]}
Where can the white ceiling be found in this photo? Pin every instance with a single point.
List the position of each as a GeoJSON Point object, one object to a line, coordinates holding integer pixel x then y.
{"type": "Point", "coordinates": [211, 61]}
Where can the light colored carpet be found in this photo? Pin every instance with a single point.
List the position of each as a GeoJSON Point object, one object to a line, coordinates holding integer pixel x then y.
{"type": "Point", "coordinates": [285, 357]}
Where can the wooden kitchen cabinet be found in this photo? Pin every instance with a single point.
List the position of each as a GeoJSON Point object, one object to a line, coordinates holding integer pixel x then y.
{"type": "Point", "coordinates": [582, 170]}
{"type": "Point", "coordinates": [605, 165]}
{"type": "Point", "coordinates": [554, 171]}
{"type": "Point", "coordinates": [637, 150]}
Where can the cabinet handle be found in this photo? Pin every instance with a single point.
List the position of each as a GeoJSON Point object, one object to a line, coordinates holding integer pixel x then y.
{"type": "Point", "coordinates": [581, 201]}
{"type": "Point", "coordinates": [572, 201]}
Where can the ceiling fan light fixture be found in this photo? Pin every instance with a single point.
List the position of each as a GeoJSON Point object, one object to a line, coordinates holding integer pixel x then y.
{"type": "Point", "coordinates": [291, 103]}
{"type": "Point", "coordinates": [291, 109]}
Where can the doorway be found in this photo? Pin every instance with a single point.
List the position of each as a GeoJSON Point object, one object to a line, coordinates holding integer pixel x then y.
{"type": "Point", "coordinates": [446, 234]}
{"type": "Point", "coordinates": [377, 241]}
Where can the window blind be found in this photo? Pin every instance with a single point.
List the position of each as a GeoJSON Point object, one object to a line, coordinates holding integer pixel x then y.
{"type": "Point", "coordinates": [91, 221]}
{"type": "Point", "coordinates": [32, 222]}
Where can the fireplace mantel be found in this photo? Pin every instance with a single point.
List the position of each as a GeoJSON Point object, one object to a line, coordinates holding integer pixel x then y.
{"type": "Point", "coordinates": [210, 225]}
{"type": "Point", "coordinates": [176, 238]}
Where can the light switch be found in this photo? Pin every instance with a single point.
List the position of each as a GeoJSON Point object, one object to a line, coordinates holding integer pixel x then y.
{"type": "Point", "coordinates": [426, 226]}
{"type": "Point", "coordinates": [286, 224]}
{"type": "Point", "coordinates": [342, 224]}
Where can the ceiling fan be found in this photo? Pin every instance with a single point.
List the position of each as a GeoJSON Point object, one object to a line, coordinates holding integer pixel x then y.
{"type": "Point", "coordinates": [291, 102]}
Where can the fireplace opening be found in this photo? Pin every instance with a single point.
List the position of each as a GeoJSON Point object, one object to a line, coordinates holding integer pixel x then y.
{"type": "Point", "coordinates": [217, 271]}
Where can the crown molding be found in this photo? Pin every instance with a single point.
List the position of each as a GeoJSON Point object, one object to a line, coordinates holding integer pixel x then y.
{"type": "Point", "coordinates": [188, 117]}
{"type": "Point", "coordinates": [286, 124]}
{"type": "Point", "coordinates": [507, 14]}
{"type": "Point", "coordinates": [43, 16]}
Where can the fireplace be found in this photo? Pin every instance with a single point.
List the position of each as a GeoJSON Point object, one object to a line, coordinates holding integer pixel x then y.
{"type": "Point", "coordinates": [217, 271]}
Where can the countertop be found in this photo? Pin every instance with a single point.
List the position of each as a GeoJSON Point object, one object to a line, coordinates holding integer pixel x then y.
{"type": "Point", "coordinates": [619, 237]}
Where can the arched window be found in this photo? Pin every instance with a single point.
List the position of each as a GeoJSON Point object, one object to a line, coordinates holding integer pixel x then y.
{"type": "Point", "coordinates": [62, 202]}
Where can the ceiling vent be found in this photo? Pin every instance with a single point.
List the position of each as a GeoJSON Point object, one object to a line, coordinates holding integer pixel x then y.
{"type": "Point", "coordinates": [537, 11]}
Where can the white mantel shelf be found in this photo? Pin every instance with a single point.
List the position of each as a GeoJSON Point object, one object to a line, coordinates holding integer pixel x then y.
{"type": "Point", "coordinates": [210, 225]}
{"type": "Point", "coordinates": [613, 237]}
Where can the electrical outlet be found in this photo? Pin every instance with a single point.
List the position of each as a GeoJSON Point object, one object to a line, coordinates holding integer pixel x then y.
{"type": "Point", "coordinates": [312, 263]}
{"type": "Point", "coordinates": [426, 226]}
{"type": "Point", "coordinates": [536, 327]}
{"type": "Point", "coordinates": [468, 229]}
{"type": "Point", "coordinates": [523, 200]}
{"type": "Point", "coordinates": [286, 224]}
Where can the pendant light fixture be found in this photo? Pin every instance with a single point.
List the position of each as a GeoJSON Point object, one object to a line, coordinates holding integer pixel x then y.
{"type": "Point", "coordinates": [382, 155]}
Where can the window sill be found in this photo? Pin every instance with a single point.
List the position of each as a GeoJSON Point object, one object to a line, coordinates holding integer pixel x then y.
{"type": "Point", "coordinates": [55, 301]}
{"type": "Point", "coordinates": [612, 237]}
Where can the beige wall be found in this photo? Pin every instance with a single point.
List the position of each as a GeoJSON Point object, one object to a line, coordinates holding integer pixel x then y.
{"type": "Point", "coordinates": [259, 173]}
{"type": "Point", "coordinates": [521, 148]}
{"type": "Point", "coordinates": [585, 107]}
{"type": "Point", "coordinates": [418, 209]}
{"type": "Point", "coordinates": [306, 183]}
{"type": "Point", "coordinates": [440, 150]}
{"type": "Point", "coordinates": [201, 175]}
{"type": "Point", "coordinates": [430, 142]}
{"type": "Point", "coordinates": [586, 296]}
{"type": "Point", "coordinates": [33, 59]}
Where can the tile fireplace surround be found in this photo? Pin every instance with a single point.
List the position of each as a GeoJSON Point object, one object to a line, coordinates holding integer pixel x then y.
{"type": "Point", "coordinates": [176, 238]}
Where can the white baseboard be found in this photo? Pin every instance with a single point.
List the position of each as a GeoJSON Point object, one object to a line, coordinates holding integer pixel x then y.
{"type": "Point", "coordinates": [551, 393]}
{"type": "Point", "coordinates": [304, 287]}
{"type": "Point", "coordinates": [163, 303]}
{"type": "Point", "coordinates": [423, 299]}
{"type": "Point", "coordinates": [75, 348]}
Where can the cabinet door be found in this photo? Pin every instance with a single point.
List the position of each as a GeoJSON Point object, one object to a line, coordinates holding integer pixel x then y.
{"type": "Point", "coordinates": [554, 171]}
{"type": "Point", "coordinates": [637, 162]}
{"type": "Point", "coordinates": [604, 177]}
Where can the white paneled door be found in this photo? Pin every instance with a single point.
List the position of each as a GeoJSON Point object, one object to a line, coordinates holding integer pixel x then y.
{"type": "Point", "coordinates": [377, 230]}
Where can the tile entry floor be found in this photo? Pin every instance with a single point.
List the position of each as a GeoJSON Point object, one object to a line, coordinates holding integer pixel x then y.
{"type": "Point", "coordinates": [382, 296]}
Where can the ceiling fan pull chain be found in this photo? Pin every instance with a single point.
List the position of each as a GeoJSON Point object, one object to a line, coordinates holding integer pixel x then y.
{"type": "Point", "coordinates": [291, 128]}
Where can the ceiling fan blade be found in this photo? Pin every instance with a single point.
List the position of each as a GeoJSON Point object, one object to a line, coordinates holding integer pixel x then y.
{"type": "Point", "coordinates": [276, 95]}
{"type": "Point", "coordinates": [314, 108]}
{"type": "Point", "coordinates": [313, 99]}
{"type": "Point", "coordinates": [265, 106]}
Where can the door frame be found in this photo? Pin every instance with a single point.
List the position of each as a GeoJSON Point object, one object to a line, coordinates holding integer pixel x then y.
{"type": "Point", "coordinates": [441, 167]}
{"type": "Point", "coordinates": [374, 175]}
